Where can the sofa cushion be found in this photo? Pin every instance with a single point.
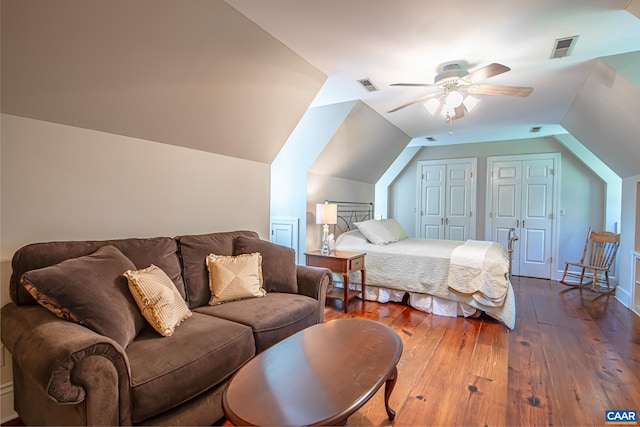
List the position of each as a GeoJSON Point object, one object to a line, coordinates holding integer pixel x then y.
{"type": "Point", "coordinates": [234, 277]}
{"type": "Point", "coordinates": [193, 251]}
{"type": "Point", "coordinates": [158, 299]}
{"type": "Point", "coordinates": [161, 251]}
{"type": "Point", "coordinates": [91, 291]}
{"type": "Point", "coordinates": [278, 263]}
{"type": "Point", "coordinates": [201, 353]}
{"type": "Point", "coordinates": [272, 318]}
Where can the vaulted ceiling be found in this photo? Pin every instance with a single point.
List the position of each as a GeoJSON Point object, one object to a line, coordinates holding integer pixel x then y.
{"type": "Point", "coordinates": [192, 73]}
{"type": "Point", "coordinates": [235, 77]}
{"type": "Point", "coordinates": [407, 41]}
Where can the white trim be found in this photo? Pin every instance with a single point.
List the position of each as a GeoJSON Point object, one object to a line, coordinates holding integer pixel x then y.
{"type": "Point", "coordinates": [293, 223]}
{"type": "Point", "coordinates": [5, 389]}
{"type": "Point", "coordinates": [632, 297]}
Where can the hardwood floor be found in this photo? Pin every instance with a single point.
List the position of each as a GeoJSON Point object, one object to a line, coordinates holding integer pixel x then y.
{"type": "Point", "coordinates": [571, 357]}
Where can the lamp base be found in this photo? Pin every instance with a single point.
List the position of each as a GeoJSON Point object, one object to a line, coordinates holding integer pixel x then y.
{"type": "Point", "coordinates": [325, 240]}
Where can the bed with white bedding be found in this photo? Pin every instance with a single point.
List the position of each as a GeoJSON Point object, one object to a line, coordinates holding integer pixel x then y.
{"type": "Point", "coordinates": [443, 277]}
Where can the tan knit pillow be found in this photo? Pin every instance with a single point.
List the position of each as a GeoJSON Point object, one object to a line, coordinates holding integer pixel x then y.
{"type": "Point", "coordinates": [158, 299]}
{"type": "Point", "coordinates": [235, 277]}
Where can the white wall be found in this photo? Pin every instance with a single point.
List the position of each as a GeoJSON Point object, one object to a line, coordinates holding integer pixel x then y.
{"type": "Point", "coordinates": [604, 118]}
{"type": "Point", "coordinates": [321, 188]}
{"type": "Point", "coordinates": [381, 203]}
{"type": "Point", "coordinates": [628, 238]}
{"type": "Point", "coordinates": [289, 169]}
{"type": "Point", "coordinates": [65, 183]}
{"type": "Point", "coordinates": [581, 192]}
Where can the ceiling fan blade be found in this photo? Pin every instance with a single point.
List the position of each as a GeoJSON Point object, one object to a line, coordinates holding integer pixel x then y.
{"type": "Point", "coordinates": [415, 101]}
{"type": "Point", "coordinates": [459, 112]}
{"type": "Point", "coordinates": [415, 84]}
{"type": "Point", "coordinates": [485, 72]}
{"type": "Point", "coordinates": [500, 90]}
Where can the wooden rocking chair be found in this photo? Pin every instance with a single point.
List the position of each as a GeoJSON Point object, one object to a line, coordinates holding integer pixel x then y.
{"type": "Point", "coordinates": [599, 254]}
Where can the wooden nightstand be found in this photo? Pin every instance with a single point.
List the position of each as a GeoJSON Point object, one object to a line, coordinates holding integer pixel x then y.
{"type": "Point", "coordinates": [344, 263]}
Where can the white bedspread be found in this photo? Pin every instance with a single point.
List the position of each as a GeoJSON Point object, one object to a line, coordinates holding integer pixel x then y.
{"type": "Point", "coordinates": [479, 268]}
{"type": "Point", "coordinates": [422, 266]}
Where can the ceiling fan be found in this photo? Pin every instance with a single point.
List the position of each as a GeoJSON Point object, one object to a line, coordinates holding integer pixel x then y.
{"type": "Point", "coordinates": [456, 86]}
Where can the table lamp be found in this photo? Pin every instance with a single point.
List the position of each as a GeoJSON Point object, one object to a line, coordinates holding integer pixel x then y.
{"type": "Point", "coordinates": [326, 213]}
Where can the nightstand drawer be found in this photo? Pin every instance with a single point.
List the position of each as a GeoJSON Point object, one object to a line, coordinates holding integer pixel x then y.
{"type": "Point", "coordinates": [356, 264]}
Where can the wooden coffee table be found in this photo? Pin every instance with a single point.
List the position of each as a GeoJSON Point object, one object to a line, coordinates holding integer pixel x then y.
{"type": "Point", "coordinates": [319, 376]}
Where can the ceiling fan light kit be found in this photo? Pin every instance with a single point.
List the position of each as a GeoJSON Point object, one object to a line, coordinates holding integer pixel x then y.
{"type": "Point", "coordinates": [455, 84]}
{"type": "Point", "coordinates": [470, 102]}
{"type": "Point", "coordinates": [451, 105]}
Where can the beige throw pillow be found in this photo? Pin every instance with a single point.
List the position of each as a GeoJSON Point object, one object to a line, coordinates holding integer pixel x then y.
{"type": "Point", "coordinates": [158, 299]}
{"type": "Point", "coordinates": [235, 277]}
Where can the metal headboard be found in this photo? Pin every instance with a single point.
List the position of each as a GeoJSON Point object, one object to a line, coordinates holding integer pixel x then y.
{"type": "Point", "coordinates": [350, 212]}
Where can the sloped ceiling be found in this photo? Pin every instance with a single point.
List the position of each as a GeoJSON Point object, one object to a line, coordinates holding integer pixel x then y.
{"type": "Point", "coordinates": [391, 41]}
{"type": "Point", "coordinates": [604, 117]}
{"type": "Point", "coordinates": [191, 73]}
{"type": "Point", "coordinates": [362, 148]}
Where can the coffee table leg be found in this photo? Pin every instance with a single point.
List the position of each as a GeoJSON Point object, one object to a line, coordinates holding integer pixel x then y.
{"type": "Point", "coordinates": [388, 388]}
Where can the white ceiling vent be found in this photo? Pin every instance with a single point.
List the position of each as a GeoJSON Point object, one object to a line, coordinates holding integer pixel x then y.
{"type": "Point", "coordinates": [368, 85]}
{"type": "Point", "coordinates": [563, 47]}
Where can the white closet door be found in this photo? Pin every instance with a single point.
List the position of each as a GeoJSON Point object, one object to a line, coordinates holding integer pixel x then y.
{"type": "Point", "coordinates": [432, 198]}
{"type": "Point", "coordinates": [506, 188]}
{"type": "Point", "coordinates": [458, 202]}
{"type": "Point", "coordinates": [522, 197]}
{"type": "Point", "coordinates": [537, 214]}
{"type": "Point", "coordinates": [446, 199]}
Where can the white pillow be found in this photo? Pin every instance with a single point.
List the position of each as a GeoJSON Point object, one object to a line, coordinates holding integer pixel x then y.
{"type": "Point", "coordinates": [351, 238]}
{"type": "Point", "coordinates": [382, 232]}
{"type": "Point", "coordinates": [375, 232]}
{"type": "Point", "coordinates": [395, 229]}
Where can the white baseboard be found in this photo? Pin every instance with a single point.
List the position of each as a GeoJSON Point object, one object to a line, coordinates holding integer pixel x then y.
{"type": "Point", "coordinates": [624, 297]}
{"type": "Point", "coordinates": [6, 396]}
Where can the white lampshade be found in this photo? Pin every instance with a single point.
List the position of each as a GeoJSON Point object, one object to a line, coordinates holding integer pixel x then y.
{"type": "Point", "coordinates": [470, 102]}
{"type": "Point", "coordinates": [326, 213]}
{"type": "Point", "coordinates": [454, 99]}
{"type": "Point", "coordinates": [432, 105]}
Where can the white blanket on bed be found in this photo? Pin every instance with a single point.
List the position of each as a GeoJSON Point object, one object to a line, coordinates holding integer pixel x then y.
{"type": "Point", "coordinates": [422, 266]}
{"type": "Point", "coordinates": [479, 268]}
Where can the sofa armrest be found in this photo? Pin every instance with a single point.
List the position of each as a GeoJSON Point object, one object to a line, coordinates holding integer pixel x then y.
{"type": "Point", "coordinates": [314, 282]}
{"type": "Point", "coordinates": [69, 362]}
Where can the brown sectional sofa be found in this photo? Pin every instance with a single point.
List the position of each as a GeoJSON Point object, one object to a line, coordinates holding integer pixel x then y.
{"type": "Point", "coordinates": [67, 374]}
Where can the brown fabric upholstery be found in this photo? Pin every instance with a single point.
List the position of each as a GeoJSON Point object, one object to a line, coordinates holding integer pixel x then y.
{"type": "Point", "coordinates": [201, 353]}
{"type": "Point", "coordinates": [272, 318]}
{"type": "Point", "coordinates": [47, 352]}
{"type": "Point", "coordinates": [67, 374]}
{"type": "Point", "coordinates": [161, 251]}
{"type": "Point", "coordinates": [93, 289]}
{"type": "Point", "coordinates": [314, 282]}
{"type": "Point", "coordinates": [193, 251]}
{"type": "Point", "coordinates": [278, 263]}
{"type": "Point", "coordinates": [203, 410]}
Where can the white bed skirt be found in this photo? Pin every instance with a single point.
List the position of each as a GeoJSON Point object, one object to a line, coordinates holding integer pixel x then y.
{"type": "Point", "coordinates": [427, 303]}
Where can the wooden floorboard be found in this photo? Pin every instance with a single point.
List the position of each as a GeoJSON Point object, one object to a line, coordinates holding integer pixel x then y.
{"type": "Point", "coordinates": [572, 355]}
